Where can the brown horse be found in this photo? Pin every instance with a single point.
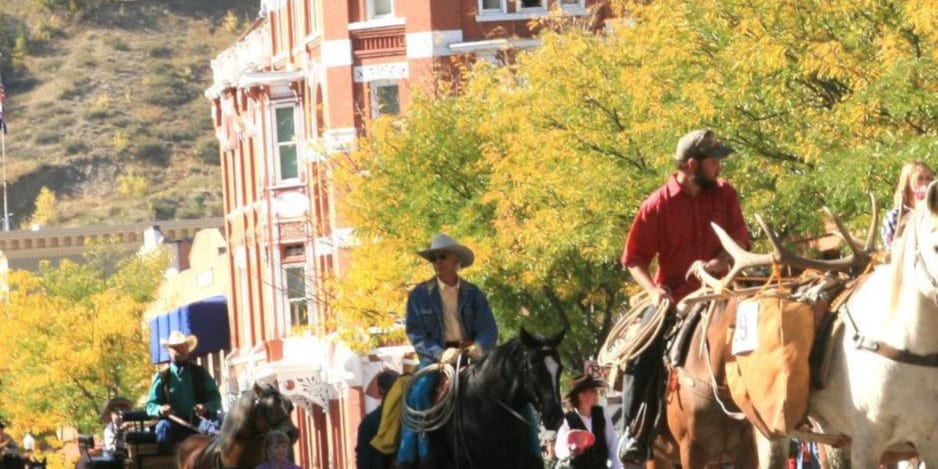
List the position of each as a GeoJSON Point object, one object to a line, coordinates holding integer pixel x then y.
{"type": "Point", "coordinates": [240, 442]}
{"type": "Point", "coordinates": [696, 431]}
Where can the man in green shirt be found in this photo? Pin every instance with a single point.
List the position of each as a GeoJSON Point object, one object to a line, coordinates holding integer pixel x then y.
{"type": "Point", "coordinates": [182, 392]}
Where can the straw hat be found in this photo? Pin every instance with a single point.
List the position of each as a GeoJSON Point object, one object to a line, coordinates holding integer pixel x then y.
{"type": "Point", "coordinates": [443, 243]}
{"type": "Point", "coordinates": [177, 338]}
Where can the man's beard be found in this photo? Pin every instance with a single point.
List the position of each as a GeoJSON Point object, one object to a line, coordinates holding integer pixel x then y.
{"type": "Point", "coordinates": [703, 182]}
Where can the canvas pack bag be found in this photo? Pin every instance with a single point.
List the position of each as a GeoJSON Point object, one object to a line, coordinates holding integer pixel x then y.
{"type": "Point", "coordinates": [767, 367]}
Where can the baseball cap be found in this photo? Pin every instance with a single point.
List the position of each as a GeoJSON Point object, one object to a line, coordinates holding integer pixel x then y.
{"type": "Point", "coordinates": [701, 144]}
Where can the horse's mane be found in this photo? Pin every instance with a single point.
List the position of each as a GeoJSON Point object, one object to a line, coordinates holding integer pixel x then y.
{"type": "Point", "coordinates": [234, 422]}
{"type": "Point", "coordinates": [501, 365]}
{"type": "Point", "coordinates": [902, 247]}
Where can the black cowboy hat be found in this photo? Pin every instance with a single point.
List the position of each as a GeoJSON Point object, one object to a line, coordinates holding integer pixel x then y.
{"type": "Point", "coordinates": [582, 382]}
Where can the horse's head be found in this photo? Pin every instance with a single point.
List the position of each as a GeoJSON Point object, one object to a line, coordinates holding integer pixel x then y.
{"type": "Point", "coordinates": [542, 369]}
{"type": "Point", "coordinates": [918, 250]}
{"type": "Point", "coordinates": [271, 411]}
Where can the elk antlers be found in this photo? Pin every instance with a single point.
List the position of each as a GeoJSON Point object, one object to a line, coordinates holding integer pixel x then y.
{"type": "Point", "coordinates": [780, 255]}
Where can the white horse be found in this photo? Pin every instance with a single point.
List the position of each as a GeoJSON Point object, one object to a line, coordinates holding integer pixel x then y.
{"type": "Point", "coordinates": [881, 402]}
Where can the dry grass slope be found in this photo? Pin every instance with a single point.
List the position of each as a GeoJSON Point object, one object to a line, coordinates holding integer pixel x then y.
{"type": "Point", "coordinates": [106, 107]}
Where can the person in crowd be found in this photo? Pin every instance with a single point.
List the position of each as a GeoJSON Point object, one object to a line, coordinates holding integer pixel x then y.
{"type": "Point", "coordinates": [673, 226]}
{"type": "Point", "coordinates": [447, 318]}
{"type": "Point", "coordinates": [277, 452]}
{"type": "Point", "coordinates": [914, 178]}
{"type": "Point", "coordinates": [366, 455]}
{"type": "Point", "coordinates": [388, 436]}
{"type": "Point", "coordinates": [113, 414]}
{"type": "Point", "coordinates": [181, 393]}
{"type": "Point", "coordinates": [587, 415]}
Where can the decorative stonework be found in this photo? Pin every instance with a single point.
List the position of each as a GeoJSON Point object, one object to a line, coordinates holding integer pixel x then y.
{"type": "Point", "coordinates": [307, 391]}
{"type": "Point", "coordinates": [388, 71]}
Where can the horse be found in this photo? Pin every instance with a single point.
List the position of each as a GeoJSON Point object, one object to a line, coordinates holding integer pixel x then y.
{"type": "Point", "coordinates": [696, 430]}
{"type": "Point", "coordinates": [240, 441]}
{"type": "Point", "coordinates": [885, 369]}
{"type": "Point", "coordinates": [489, 427]}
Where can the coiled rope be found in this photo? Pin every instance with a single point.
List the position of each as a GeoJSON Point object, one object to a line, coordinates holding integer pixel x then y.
{"type": "Point", "coordinates": [624, 344]}
{"type": "Point", "coordinates": [440, 412]}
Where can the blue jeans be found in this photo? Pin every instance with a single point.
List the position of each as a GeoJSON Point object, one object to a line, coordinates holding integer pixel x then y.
{"type": "Point", "coordinates": [169, 433]}
{"type": "Point", "coordinates": [413, 443]}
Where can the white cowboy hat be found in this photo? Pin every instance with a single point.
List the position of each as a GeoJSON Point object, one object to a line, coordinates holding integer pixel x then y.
{"type": "Point", "coordinates": [177, 338]}
{"type": "Point", "coordinates": [443, 243]}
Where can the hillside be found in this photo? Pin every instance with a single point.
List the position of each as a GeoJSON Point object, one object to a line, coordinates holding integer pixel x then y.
{"type": "Point", "coordinates": [105, 106]}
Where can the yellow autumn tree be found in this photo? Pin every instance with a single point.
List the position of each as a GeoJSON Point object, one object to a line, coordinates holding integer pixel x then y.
{"type": "Point", "coordinates": [73, 338]}
{"type": "Point", "coordinates": [46, 210]}
{"type": "Point", "coordinates": [540, 164]}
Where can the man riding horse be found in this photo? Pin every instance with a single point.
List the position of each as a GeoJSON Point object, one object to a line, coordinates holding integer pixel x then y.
{"type": "Point", "coordinates": [673, 224]}
{"type": "Point", "coordinates": [446, 317]}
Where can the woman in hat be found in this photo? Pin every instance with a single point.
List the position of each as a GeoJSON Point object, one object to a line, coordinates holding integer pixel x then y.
{"type": "Point", "coordinates": [588, 416]}
{"type": "Point", "coordinates": [447, 318]}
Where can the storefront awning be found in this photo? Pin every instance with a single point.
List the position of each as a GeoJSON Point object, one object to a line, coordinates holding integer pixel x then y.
{"type": "Point", "coordinates": [206, 319]}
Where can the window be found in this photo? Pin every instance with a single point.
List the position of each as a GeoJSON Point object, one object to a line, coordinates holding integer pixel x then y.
{"type": "Point", "coordinates": [571, 3]}
{"type": "Point", "coordinates": [384, 99]}
{"type": "Point", "coordinates": [378, 8]}
{"type": "Point", "coordinates": [531, 4]}
{"type": "Point", "coordinates": [295, 281]}
{"type": "Point", "coordinates": [491, 6]}
{"type": "Point", "coordinates": [286, 142]}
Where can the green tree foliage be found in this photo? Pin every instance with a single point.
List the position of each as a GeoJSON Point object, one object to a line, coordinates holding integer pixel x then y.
{"type": "Point", "coordinates": [73, 338]}
{"type": "Point", "coordinates": [541, 165]}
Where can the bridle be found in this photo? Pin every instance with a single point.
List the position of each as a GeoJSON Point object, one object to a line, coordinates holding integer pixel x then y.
{"type": "Point", "coordinates": [528, 393]}
{"type": "Point", "coordinates": [259, 433]}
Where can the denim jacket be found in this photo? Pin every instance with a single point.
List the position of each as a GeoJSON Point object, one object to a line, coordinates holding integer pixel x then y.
{"type": "Point", "coordinates": [425, 319]}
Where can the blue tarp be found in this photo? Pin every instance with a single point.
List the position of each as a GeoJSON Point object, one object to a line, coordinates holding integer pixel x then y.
{"type": "Point", "coordinates": [206, 319]}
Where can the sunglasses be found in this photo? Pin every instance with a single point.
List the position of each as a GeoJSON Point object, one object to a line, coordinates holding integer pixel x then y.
{"type": "Point", "coordinates": [439, 256]}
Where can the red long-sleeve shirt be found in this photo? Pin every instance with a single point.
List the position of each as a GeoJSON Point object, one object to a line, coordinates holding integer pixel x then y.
{"type": "Point", "coordinates": [675, 227]}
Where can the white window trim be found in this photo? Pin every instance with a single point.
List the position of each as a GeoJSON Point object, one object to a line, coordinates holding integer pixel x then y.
{"type": "Point", "coordinates": [373, 91]}
{"type": "Point", "coordinates": [297, 138]}
{"type": "Point", "coordinates": [503, 8]}
{"type": "Point", "coordinates": [370, 10]}
{"type": "Point", "coordinates": [380, 22]}
{"type": "Point", "coordinates": [522, 9]}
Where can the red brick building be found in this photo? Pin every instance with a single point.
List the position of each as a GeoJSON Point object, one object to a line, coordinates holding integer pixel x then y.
{"type": "Point", "coordinates": [294, 90]}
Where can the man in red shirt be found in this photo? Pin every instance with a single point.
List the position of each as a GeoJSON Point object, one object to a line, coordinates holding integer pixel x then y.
{"type": "Point", "coordinates": [673, 225]}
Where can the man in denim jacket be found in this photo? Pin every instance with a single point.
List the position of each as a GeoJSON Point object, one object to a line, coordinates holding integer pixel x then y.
{"type": "Point", "coordinates": [446, 317]}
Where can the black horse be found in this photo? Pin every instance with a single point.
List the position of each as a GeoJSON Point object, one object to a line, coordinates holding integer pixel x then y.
{"type": "Point", "coordinates": [490, 428]}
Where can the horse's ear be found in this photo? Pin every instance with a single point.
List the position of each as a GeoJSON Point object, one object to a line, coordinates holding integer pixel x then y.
{"type": "Point", "coordinates": [555, 340]}
{"type": "Point", "coordinates": [527, 339]}
{"type": "Point", "coordinates": [257, 389]}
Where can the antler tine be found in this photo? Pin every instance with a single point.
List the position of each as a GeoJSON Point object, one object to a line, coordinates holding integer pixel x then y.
{"type": "Point", "coordinates": [874, 224]}
{"type": "Point", "coordinates": [785, 256]}
{"type": "Point", "coordinates": [859, 257]}
{"type": "Point", "coordinates": [742, 259]}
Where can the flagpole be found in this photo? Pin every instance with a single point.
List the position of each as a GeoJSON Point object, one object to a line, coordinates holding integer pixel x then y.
{"type": "Point", "coordinates": [3, 152]}
{"type": "Point", "coordinates": [3, 157]}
